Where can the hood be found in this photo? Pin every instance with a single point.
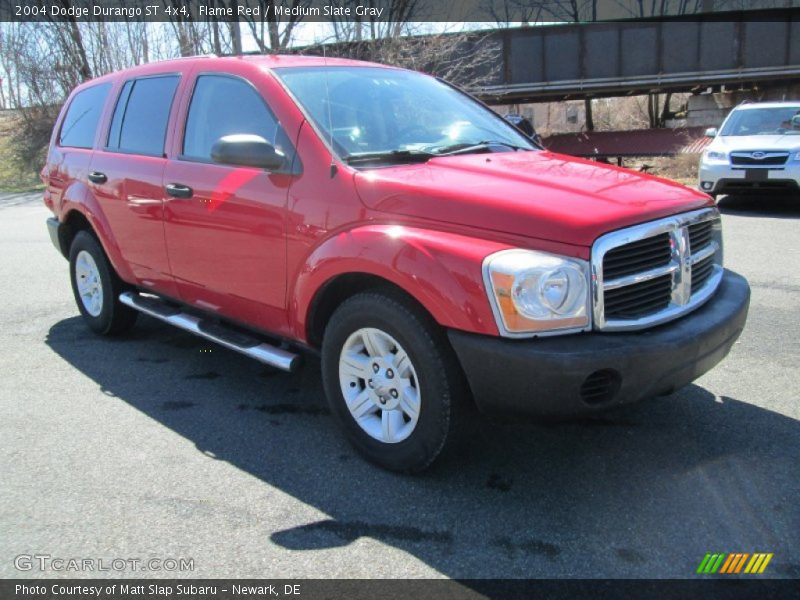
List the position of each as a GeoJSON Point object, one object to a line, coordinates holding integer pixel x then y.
{"type": "Point", "coordinates": [533, 194]}
{"type": "Point", "coordinates": [732, 143]}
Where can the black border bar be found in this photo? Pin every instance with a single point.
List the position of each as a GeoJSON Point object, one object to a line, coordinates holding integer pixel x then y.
{"type": "Point", "coordinates": [420, 11]}
{"type": "Point", "coordinates": [419, 589]}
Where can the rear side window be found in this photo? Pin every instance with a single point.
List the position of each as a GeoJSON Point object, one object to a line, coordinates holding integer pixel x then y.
{"type": "Point", "coordinates": [80, 122]}
{"type": "Point", "coordinates": [223, 105]}
{"type": "Point", "coordinates": [139, 124]}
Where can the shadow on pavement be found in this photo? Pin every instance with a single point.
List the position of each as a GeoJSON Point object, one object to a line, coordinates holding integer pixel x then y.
{"type": "Point", "coordinates": [781, 207]}
{"type": "Point", "coordinates": [644, 491]}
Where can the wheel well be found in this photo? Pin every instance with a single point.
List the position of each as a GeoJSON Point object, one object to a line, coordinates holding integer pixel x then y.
{"type": "Point", "coordinates": [74, 223]}
{"type": "Point", "coordinates": [339, 289]}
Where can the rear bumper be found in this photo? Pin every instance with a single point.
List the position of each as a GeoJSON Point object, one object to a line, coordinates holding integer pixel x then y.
{"type": "Point", "coordinates": [54, 229]}
{"type": "Point", "coordinates": [585, 373]}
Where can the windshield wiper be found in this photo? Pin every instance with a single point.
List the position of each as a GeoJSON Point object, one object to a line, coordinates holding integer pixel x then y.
{"type": "Point", "coordinates": [463, 148]}
{"type": "Point", "coordinates": [416, 155]}
{"type": "Point", "coordinates": [389, 156]}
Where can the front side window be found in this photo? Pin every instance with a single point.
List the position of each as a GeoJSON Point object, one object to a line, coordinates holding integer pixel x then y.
{"type": "Point", "coordinates": [139, 124]}
{"type": "Point", "coordinates": [763, 121]}
{"type": "Point", "coordinates": [224, 105]}
{"type": "Point", "coordinates": [373, 110]}
{"type": "Point", "coordinates": [83, 115]}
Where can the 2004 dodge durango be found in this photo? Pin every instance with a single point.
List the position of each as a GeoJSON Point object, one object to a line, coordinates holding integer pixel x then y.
{"type": "Point", "coordinates": [428, 250]}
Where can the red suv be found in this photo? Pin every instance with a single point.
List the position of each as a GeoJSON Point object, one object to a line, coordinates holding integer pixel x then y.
{"type": "Point", "coordinates": [428, 250]}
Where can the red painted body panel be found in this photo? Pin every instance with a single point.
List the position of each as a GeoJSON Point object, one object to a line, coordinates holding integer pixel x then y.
{"type": "Point", "coordinates": [442, 271]}
{"type": "Point", "coordinates": [319, 207]}
{"type": "Point", "coordinates": [227, 244]}
{"type": "Point", "coordinates": [539, 195]}
{"type": "Point", "coordinates": [330, 232]}
{"type": "Point", "coordinates": [89, 208]}
{"type": "Point", "coordinates": [258, 247]}
{"type": "Point", "coordinates": [231, 260]}
{"type": "Point", "coordinates": [132, 201]}
{"type": "Point", "coordinates": [66, 176]}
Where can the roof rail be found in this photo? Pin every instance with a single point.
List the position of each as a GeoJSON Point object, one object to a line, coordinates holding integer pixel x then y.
{"type": "Point", "coordinates": [244, 53]}
{"type": "Point", "coordinates": [160, 60]}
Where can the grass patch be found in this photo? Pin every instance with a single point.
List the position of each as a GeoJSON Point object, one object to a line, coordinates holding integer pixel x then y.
{"type": "Point", "coordinates": [21, 187]}
{"type": "Point", "coordinates": [14, 176]}
{"type": "Point", "coordinates": [682, 168]}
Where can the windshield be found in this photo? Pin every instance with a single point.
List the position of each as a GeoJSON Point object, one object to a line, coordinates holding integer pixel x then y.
{"type": "Point", "coordinates": [763, 121]}
{"type": "Point", "coordinates": [369, 111]}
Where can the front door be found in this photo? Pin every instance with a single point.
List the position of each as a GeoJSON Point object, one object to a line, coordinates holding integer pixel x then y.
{"type": "Point", "coordinates": [224, 224]}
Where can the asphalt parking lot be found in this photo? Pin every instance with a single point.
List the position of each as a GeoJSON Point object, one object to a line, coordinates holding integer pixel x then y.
{"type": "Point", "coordinates": [160, 445]}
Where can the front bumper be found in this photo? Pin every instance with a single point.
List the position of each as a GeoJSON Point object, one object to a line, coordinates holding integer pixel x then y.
{"type": "Point", "coordinates": [727, 179]}
{"type": "Point", "coordinates": [583, 373]}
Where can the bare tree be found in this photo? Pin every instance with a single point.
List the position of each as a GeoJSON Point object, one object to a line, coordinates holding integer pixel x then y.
{"type": "Point", "coordinates": [76, 48]}
{"type": "Point", "coordinates": [40, 63]}
{"type": "Point", "coordinates": [234, 30]}
{"type": "Point", "coordinates": [273, 29]}
{"type": "Point", "coordinates": [469, 60]}
{"type": "Point", "coordinates": [510, 13]}
{"type": "Point", "coordinates": [10, 42]}
{"type": "Point", "coordinates": [394, 22]}
{"type": "Point", "coordinates": [193, 37]}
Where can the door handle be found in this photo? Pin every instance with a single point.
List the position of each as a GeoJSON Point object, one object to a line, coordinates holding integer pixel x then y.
{"type": "Point", "coordinates": [177, 190]}
{"type": "Point", "coordinates": [97, 177]}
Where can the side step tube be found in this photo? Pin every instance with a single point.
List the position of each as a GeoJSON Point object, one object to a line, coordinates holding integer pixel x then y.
{"type": "Point", "coordinates": [263, 352]}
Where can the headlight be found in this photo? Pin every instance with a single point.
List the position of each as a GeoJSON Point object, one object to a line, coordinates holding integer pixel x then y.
{"type": "Point", "coordinates": [711, 155]}
{"type": "Point", "coordinates": [534, 292]}
{"type": "Point", "coordinates": [797, 156]}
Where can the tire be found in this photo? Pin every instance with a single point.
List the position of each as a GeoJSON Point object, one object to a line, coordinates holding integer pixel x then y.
{"type": "Point", "coordinates": [97, 287]}
{"type": "Point", "coordinates": [373, 331]}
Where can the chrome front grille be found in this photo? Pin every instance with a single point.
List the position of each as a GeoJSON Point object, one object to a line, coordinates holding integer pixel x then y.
{"type": "Point", "coordinates": [759, 159]}
{"type": "Point", "coordinates": [648, 253]}
{"type": "Point", "coordinates": [700, 235]}
{"type": "Point", "coordinates": [638, 299]}
{"type": "Point", "coordinates": [651, 273]}
{"type": "Point", "coordinates": [701, 271]}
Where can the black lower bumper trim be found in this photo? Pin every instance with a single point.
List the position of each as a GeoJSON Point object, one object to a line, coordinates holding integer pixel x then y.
{"type": "Point", "coordinates": [765, 186]}
{"type": "Point", "coordinates": [54, 229]}
{"type": "Point", "coordinates": [587, 372]}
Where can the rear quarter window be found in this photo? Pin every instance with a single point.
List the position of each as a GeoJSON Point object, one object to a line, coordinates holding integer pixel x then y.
{"type": "Point", "coordinates": [139, 124]}
{"type": "Point", "coordinates": [83, 115]}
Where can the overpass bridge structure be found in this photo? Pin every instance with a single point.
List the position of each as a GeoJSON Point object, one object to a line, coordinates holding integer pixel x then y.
{"type": "Point", "coordinates": [737, 49]}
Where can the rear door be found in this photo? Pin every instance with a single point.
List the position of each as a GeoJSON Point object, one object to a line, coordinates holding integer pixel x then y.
{"type": "Point", "coordinates": [225, 224]}
{"type": "Point", "coordinates": [126, 176]}
{"type": "Point", "coordinates": [71, 153]}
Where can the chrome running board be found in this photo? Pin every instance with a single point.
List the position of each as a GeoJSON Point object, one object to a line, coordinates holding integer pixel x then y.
{"type": "Point", "coordinates": [229, 338]}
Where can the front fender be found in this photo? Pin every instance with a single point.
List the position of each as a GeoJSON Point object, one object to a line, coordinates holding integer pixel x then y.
{"type": "Point", "coordinates": [442, 271]}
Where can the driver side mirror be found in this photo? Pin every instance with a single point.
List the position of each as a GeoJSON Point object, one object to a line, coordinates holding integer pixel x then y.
{"type": "Point", "coordinates": [711, 132]}
{"type": "Point", "coordinates": [247, 150]}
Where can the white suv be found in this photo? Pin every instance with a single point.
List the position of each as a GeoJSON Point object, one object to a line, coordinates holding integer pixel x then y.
{"type": "Point", "coordinates": [757, 150]}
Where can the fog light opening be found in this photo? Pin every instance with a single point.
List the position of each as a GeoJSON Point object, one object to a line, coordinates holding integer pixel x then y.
{"type": "Point", "coordinates": [601, 387]}
{"type": "Point", "coordinates": [707, 185]}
